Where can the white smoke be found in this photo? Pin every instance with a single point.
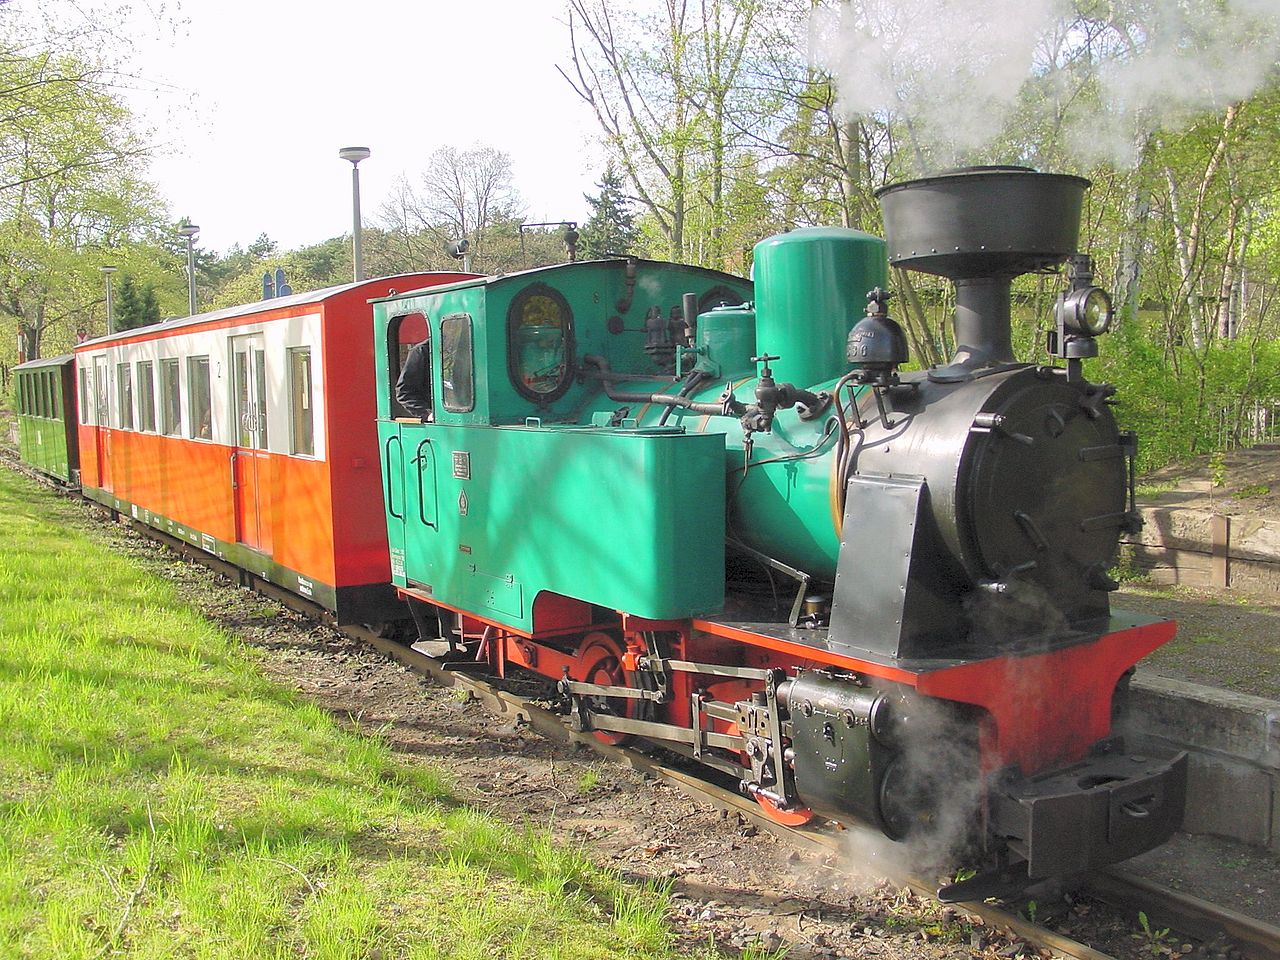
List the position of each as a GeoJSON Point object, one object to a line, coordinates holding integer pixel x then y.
{"type": "Point", "coordinates": [958, 70]}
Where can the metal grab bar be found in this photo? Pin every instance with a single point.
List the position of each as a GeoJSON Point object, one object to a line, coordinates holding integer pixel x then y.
{"type": "Point", "coordinates": [391, 500]}
{"type": "Point", "coordinates": [419, 460]}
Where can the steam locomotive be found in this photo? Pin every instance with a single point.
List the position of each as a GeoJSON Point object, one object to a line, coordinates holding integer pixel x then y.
{"type": "Point", "coordinates": [744, 531]}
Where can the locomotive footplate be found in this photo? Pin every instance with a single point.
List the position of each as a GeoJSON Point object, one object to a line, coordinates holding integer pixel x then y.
{"type": "Point", "coordinates": [1107, 808]}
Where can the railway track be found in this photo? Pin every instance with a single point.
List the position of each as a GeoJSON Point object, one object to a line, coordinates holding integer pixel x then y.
{"type": "Point", "coordinates": [1164, 906]}
{"type": "Point", "coordinates": [1188, 916]}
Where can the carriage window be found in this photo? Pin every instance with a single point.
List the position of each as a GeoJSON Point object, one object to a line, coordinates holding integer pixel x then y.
{"type": "Point", "coordinates": [403, 334]}
{"type": "Point", "coordinates": [55, 396]}
{"type": "Point", "coordinates": [124, 396]}
{"type": "Point", "coordinates": [199, 398]}
{"type": "Point", "coordinates": [43, 382]}
{"type": "Point", "coordinates": [540, 343]}
{"type": "Point", "coordinates": [146, 397]}
{"type": "Point", "coordinates": [170, 403]}
{"type": "Point", "coordinates": [84, 395]}
{"type": "Point", "coordinates": [23, 406]}
{"type": "Point", "coordinates": [302, 438]}
{"type": "Point", "coordinates": [457, 364]}
{"type": "Point", "coordinates": [101, 391]}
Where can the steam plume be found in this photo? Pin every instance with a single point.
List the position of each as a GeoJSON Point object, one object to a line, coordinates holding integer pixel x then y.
{"type": "Point", "coordinates": [1097, 78]}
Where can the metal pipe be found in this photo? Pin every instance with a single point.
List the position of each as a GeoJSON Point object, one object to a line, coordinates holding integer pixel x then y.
{"type": "Point", "coordinates": [984, 329]}
{"type": "Point", "coordinates": [111, 301]}
{"type": "Point", "coordinates": [730, 408]}
{"type": "Point", "coordinates": [189, 230]}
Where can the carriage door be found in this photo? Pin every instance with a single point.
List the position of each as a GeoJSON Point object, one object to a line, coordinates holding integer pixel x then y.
{"type": "Point", "coordinates": [250, 462]}
{"type": "Point", "coordinates": [102, 422]}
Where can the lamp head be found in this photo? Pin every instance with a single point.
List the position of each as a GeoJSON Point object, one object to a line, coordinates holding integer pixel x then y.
{"type": "Point", "coordinates": [354, 154]}
{"type": "Point", "coordinates": [108, 270]}
{"type": "Point", "coordinates": [188, 230]}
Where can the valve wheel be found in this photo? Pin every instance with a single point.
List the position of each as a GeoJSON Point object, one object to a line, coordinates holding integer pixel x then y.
{"type": "Point", "coordinates": [599, 660]}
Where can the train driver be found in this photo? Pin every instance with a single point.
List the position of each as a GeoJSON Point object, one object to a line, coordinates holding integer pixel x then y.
{"type": "Point", "coordinates": [413, 389]}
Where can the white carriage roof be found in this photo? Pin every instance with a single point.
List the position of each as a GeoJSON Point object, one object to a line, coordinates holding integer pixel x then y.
{"type": "Point", "coordinates": [242, 310]}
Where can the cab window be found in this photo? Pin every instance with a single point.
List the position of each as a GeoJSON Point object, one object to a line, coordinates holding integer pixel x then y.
{"type": "Point", "coordinates": [457, 364]}
{"type": "Point", "coordinates": [412, 387]}
{"type": "Point", "coordinates": [540, 343]}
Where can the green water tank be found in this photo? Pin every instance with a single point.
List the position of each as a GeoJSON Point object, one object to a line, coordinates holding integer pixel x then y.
{"type": "Point", "coordinates": [811, 288]}
{"type": "Point", "coordinates": [727, 342]}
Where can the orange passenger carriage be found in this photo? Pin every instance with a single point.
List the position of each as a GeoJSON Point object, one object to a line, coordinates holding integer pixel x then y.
{"type": "Point", "coordinates": [248, 432]}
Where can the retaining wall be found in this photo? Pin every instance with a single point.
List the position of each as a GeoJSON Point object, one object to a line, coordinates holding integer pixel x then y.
{"type": "Point", "coordinates": [1199, 548]}
{"type": "Point", "coordinates": [1234, 745]}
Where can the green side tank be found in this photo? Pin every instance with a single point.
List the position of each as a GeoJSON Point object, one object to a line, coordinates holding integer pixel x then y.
{"type": "Point", "coordinates": [811, 288]}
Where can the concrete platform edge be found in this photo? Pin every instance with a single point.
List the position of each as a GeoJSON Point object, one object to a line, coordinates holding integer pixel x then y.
{"type": "Point", "coordinates": [1233, 740]}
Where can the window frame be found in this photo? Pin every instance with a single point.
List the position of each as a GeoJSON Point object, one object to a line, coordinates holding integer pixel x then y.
{"type": "Point", "coordinates": [568, 341]}
{"type": "Point", "coordinates": [449, 393]}
{"type": "Point", "coordinates": [291, 355]}
{"type": "Point", "coordinates": [174, 429]}
{"type": "Point", "coordinates": [206, 406]}
{"type": "Point", "coordinates": [146, 390]}
{"type": "Point", "coordinates": [124, 395]}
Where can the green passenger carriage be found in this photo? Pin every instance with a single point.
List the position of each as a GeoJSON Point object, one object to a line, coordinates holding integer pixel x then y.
{"type": "Point", "coordinates": [45, 403]}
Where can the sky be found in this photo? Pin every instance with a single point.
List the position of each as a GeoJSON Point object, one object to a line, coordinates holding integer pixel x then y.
{"type": "Point", "coordinates": [256, 97]}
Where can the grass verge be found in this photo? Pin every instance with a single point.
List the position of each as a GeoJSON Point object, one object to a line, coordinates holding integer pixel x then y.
{"type": "Point", "coordinates": [160, 798]}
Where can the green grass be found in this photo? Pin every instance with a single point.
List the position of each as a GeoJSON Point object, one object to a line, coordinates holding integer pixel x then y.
{"type": "Point", "coordinates": [160, 798]}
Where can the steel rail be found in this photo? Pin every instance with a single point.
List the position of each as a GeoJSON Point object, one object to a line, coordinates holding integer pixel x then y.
{"type": "Point", "coordinates": [1186, 914]}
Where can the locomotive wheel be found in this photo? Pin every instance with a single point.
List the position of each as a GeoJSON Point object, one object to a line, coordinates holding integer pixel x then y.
{"type": "Point", "coordinates": [599, 660]}
{"type": "Point", "coordinates": [795, 817]}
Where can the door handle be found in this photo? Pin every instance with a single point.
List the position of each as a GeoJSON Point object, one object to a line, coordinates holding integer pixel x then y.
{"type": "Point", "coordinates": [391, 500]}
{"type": "Point", "coordinates": [421, 460]}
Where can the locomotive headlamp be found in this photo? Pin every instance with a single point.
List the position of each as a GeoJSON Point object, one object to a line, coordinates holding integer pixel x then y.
{"type": "Point", "coordinates": [1086, 311]}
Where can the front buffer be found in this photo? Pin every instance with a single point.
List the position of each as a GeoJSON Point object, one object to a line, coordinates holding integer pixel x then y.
{"type": "Point", "coordinates": [956, 753]}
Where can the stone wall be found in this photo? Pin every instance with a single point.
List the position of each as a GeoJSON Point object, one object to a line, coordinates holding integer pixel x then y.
{"type": "Point", "coordinates": [1233, 742]}
{"type": "Point", "coordinates": [1198, 548]}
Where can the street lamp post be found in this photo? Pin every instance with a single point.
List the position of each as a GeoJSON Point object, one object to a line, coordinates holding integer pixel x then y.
{"type": "Point", "coordinates": [107, 271]}
{"type": "Point", "coordinates": [355, 155]}
{"type": "Point", "coordinates": [189, 230]}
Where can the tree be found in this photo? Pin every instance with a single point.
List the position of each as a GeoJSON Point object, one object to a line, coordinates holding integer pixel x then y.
{"type": "Point", "coordinates": [135, 305]}
{"type": "Point", "coordinates": [611, 228]}
{"type": "Point", "coordinates": [72, 187]}
{"type": "Point", "coordinates": [642, 101]}
{"type": "Point", "coordinates": [463, 194]}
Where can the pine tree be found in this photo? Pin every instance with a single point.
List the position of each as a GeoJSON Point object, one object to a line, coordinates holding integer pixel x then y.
{"type": "Point", "coordinates": [135, 306]}
{"type": "Point", "coordinates": [611, 228]}
{"type": "Point", "coordinates": [150, 306]}
{"type": "Point", "coordinates": [128, 305]}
